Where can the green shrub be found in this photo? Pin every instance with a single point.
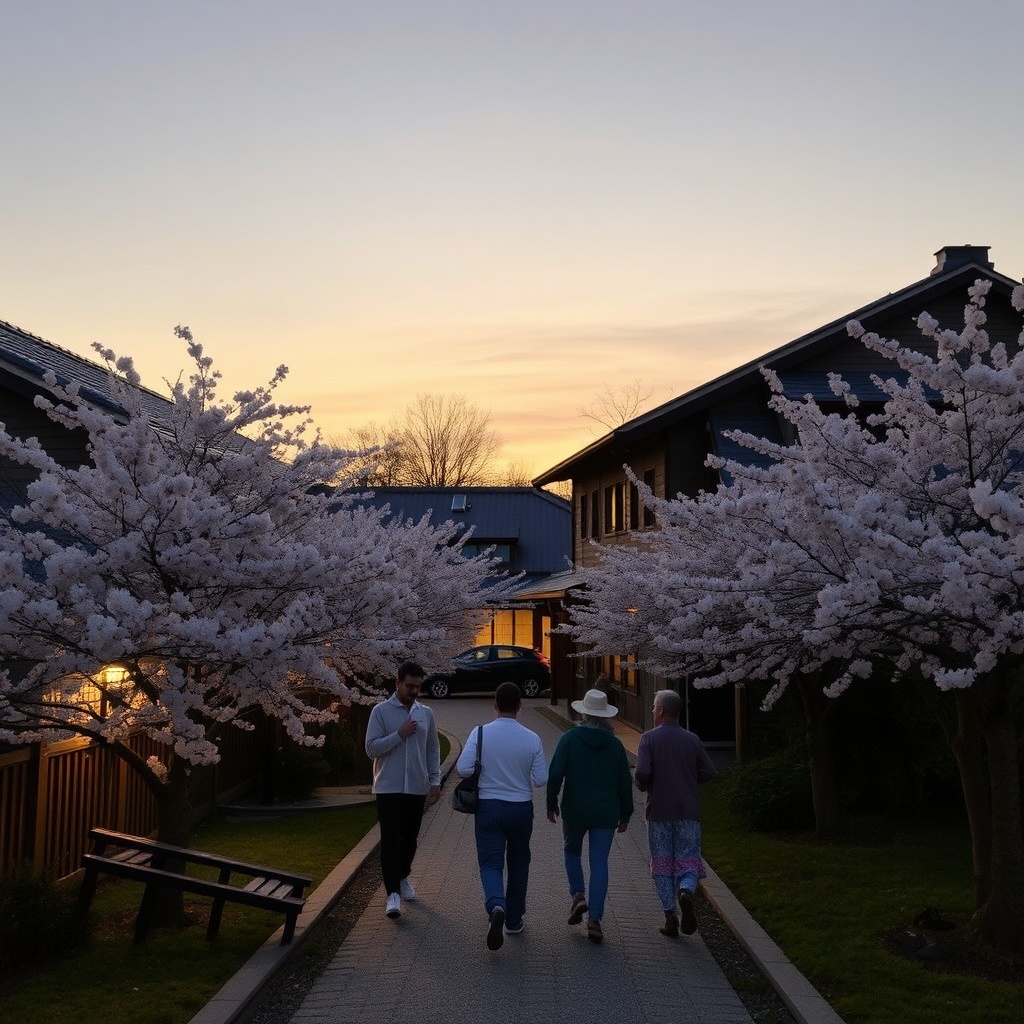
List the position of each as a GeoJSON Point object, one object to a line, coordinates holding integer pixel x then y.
{"type": "Point", "coordinates": [892, 747]}
{"type": "Point", "coordinates": [771, 794]}
{"type": "Point", "coordinates": [344, 747]}
{"type": "Point", "coordinates": [38, 917]}
{"type": "Point", "coordinates": [889, 741]}
{"type": "Point", "coordinates": [339, 752]}
{"type": "Point", "coordinates": [298, 771]}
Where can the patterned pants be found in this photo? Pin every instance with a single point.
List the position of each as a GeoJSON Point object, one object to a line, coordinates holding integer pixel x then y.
{"type": "Point", "coordinates": [675, 858]}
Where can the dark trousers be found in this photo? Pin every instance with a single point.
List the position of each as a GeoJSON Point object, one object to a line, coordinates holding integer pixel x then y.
{"type": "Point", "coordinates": [400, 816]}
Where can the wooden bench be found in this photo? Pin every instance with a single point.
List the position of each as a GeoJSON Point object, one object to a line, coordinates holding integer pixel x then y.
{"type": "Point", "coordinates": [162, 866]}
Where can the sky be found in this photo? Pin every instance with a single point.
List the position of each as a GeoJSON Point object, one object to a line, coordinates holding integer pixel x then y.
{"type": "Point", "coordinates": [523, 203]}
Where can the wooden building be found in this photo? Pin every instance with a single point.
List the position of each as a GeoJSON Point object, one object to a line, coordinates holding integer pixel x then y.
{"type": "Point", "coordinates": [667, 447]}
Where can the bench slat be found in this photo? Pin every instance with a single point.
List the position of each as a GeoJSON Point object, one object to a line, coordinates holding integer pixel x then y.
{"type": "Point", "coordinates": [143, 860]}
{"type": "Point", "coordinates": [214, 860]}
{"type": "Point", "coordinates": [130, 856]}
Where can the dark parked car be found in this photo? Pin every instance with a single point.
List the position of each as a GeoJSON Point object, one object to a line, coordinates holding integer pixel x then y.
{"type": "Point", "coordinates": [485, 668]}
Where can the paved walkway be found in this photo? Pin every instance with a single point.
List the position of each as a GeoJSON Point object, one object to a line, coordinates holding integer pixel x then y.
{"type": "Point", "coordinates": [432, 964]}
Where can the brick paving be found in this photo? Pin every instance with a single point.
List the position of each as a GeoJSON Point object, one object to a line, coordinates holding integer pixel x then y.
{"type": "Point", "coordinates": [432, 964]}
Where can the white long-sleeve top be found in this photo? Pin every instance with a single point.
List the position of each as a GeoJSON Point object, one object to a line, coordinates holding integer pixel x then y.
{"type": "Point", "coordinates": [403, 765]}
{"type": "Point", "coordinates": [513, 761]}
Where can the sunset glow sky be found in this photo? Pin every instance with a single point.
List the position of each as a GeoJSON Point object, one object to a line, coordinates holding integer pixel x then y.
{"type": "Point", "coordinates": [519, 202]}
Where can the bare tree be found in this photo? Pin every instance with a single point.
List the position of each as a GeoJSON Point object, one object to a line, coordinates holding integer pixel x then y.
{"type": "Point", "coordinates": [611, 408]}
{"type": "Point", "coordinates": [379, 459]}
{"type": "Point", "coordinates": [437, 441]}
{"type": "Point", "coordinates": [516, 474]}
{"type": "Point", "coordinates": [446, 441]}
{"type": "Point", "coordinates": [561, 488]}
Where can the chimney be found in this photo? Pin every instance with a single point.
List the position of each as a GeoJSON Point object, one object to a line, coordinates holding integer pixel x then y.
{"type": "Point", "coordinates": [952, 257]}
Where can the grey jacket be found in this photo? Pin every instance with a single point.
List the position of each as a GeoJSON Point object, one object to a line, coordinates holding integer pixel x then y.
{"type": "Point", "coordinates": [400, 765]}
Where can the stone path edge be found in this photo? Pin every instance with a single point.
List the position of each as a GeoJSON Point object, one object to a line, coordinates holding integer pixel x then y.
{"type": "Point", "coordinates": [806, 1004]}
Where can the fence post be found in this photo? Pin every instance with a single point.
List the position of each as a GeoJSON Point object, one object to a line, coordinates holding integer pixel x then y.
{"type": "Point", "coordinates": [40, 762]}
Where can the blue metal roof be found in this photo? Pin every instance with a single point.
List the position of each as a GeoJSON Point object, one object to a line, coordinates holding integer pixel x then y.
{"type": "Point", "coordinates": [536, 522]}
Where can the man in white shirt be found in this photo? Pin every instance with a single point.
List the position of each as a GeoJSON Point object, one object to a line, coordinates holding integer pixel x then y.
{"type": "Point", "coordinates": [401, 737]}
{"type": "Point", "coordinates": [512, 765]}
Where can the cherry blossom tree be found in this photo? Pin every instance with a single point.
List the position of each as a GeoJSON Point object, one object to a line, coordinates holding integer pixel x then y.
{"type": "Point", "coordinates": [894, 538]}
{"type": "Point", "coordinates": [701, 597]}
{"type": "Point", "coordinates": [202, 552]}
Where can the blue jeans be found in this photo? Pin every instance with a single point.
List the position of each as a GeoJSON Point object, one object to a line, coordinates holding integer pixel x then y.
{"type": "Point", "coordinates": [503, 830]}
{"type": "Point", "coordinates": [600, 846]}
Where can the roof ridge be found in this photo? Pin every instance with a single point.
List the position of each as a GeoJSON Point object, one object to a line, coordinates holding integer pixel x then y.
{"type": "Point", "coordinates": [78, 358]}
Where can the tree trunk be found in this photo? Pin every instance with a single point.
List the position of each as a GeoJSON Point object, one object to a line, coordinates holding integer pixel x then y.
{"type": "Point", "coordinates": [968, 748]}
{"type": "Point", "coordinates": [174, 827]}
{"type": "Point", "coordinates": [818, 712]}
{"type": "Point", "coordinates": [1000, 920]}
{"type": "Point", "coordinates": [175, 814]}
{"type": "Point", "coordinates": [174, 821]}
{"type": "Point", "coordinates": [272, 740]}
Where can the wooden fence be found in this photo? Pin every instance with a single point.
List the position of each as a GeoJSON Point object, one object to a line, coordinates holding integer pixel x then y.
{"type": "Point", "coordinates": [52, 794]}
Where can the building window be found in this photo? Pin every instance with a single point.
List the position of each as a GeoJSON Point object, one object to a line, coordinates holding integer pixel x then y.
{"type": "Point", "coordinates": [625, 677]}
{"type": "Point", "coordinates": [584, 522]}
{"type": "Point", "coordinates": [649, 512]}
{"type": "Point", "coordinates": [503, 552]}
{"type": "Point", "coordinates": [634, 507]}
{"type": "Point", "coordinates": [595, 515]}
{"type": "Point", "coordinates": [508, 626]}
{"type": "Point", "coordinates": [613, 510]}
{"type": "Point", "coordinates": [523, 628]}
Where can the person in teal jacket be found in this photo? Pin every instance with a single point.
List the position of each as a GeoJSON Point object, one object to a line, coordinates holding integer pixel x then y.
{"type": "Point", "coordinates": [591, 772]}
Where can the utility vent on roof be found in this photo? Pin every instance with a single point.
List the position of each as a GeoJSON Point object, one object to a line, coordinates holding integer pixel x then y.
{"type": "Point", "coordinates": [949, 257]}
{"type": "Point", "coordinates": [459, 503]}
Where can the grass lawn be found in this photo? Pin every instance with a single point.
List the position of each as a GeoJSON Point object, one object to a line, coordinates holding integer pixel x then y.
{"type": "Point", "coordinates": [829, 906]}
{"type": "Point", "coordinates": [173, 974]}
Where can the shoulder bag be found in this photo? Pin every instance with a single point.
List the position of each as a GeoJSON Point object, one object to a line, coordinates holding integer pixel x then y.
{"type": "Point", "coordinates": [466, 795]}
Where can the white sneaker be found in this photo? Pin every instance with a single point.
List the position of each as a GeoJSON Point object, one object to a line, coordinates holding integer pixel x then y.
{"type": "Point", "coordinates": [406, 890]}
{"type": "Point", "coordinates": [394, 905]}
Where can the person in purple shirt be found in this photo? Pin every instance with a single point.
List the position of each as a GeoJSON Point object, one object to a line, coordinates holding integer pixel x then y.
{"type": "Point", "coordinates": [671, 763]}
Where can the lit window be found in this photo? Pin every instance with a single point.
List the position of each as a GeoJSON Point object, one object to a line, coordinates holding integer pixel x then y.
{"type": "Point", "coordinates": [613, 510]}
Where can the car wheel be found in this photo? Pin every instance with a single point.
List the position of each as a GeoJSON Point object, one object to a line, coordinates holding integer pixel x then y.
{"type": "Point", "coordinates": [439, 688]}
{"type": "Point", "coordinates": [530, 687]}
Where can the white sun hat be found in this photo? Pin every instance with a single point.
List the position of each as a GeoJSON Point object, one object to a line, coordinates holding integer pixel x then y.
{"type": "Point", "coordinates": [595, 703]}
